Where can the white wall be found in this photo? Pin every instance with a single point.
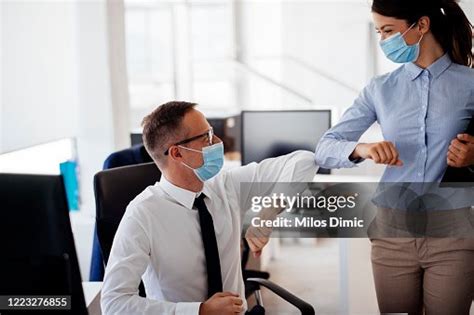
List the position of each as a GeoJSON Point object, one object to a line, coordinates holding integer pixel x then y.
{"type": "Point", "coordinates": [63, 75]}
{"type": "Point", "coordinates": [333, 38]}
{"type": "Point", "coordinates": [39, 73]}
{"type": "Point", "coordinates": [60, 79]}
{"type": "Point", "coordinates": [468, 7]}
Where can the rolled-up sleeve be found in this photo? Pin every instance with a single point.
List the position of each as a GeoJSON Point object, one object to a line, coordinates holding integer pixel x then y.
{"type": "Point", "coordinates": [297, 168]}
{"type": "Point", "coordinates": [336, 146]}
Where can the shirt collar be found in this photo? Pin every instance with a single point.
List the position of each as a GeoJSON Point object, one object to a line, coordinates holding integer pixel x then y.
{"type": "Point", "coordinates": [436, 69]}
{"type": "Point", "coordinates": [183, 196]}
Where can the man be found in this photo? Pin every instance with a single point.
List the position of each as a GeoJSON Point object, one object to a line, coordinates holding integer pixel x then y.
{"type": "Point", "coordinates": [182, 235]}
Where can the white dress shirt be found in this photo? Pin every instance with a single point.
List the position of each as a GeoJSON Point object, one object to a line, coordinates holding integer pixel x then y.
{"type": "Point", "coordinates": [159, 240]}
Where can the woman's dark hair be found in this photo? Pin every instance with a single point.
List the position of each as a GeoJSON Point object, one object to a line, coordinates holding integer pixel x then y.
{"type": "Point", "coordinates": [449, 25]}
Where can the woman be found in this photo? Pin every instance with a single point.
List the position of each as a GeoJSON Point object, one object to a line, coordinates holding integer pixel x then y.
{"type": "Point", "coordinates": [423, 108]}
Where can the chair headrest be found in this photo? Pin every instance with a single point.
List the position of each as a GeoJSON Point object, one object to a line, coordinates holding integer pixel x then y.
{"type": "Point", "coordinates": [115, 188]}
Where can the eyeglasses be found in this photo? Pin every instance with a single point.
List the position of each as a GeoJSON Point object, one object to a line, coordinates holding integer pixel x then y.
{"type": "Point", "coordinates": [208, 135]}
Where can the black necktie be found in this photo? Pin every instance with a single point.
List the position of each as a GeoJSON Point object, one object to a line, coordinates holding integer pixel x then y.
{"type": "Point", "coordinates": [213, 265]}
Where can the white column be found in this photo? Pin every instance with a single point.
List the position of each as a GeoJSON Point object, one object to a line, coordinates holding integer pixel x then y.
{"type": "Point", "coordinates": [255, 38]}
{"type": "Point", "coordinates": [472, 12]}
{"type": "Point", "coordinates": [183, 74]}
{"type": "Point", "coordinates": [469, 7]}
{"type": "Point", "coordinates": [372, 55]}
{"type": "Point", "coordinates": [118, 73]}
{"type": "Point", "coordinates": [95, 134]}
{"type": "Point", "coordinates": [1, 77]}
{"type": "Point", "coordinates": [103, 120]}
{"type": "Point", "coordinates": [240, 40]}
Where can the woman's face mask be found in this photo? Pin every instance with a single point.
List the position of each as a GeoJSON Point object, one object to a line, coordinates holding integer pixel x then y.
{"type": "Point", "coordinates": [397, 50]}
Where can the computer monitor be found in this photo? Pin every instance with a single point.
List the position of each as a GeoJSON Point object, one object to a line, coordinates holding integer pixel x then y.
{"type": "Point", "coordinates": [136, 138]}
{"type": "Point", "coordinates": [38, 254]}
{"type": "Point", "coordinates": [267, 134]}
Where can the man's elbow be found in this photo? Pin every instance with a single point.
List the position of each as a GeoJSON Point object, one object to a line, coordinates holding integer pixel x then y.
{"type": "Point", "coordinates": [111, 303]}
{"type": "Point", "coordinates": [306, 162]}
{"type": "Point", "coordinates": [106, 304]}
{"type": "Point", "coordinates": [305, 158]}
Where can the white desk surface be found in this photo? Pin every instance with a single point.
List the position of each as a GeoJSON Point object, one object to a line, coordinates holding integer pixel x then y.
{"type": "Point", "coordinates": [345, 178]}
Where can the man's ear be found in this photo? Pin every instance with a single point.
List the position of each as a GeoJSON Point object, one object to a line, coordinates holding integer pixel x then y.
{"type": "Point", "coordinates": [175, 153]}
{"type": "Point", "coordinates": [424, 24]}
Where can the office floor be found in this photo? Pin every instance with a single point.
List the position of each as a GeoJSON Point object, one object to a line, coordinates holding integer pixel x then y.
{"type": "Point", "coordinates": [310, 269]}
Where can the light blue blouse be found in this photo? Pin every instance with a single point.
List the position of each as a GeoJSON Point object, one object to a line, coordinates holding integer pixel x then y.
{"type": "Point", "coordinates": [420, 110]}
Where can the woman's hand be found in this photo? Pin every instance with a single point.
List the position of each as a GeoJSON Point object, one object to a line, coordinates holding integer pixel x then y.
{"type": "Point", "coordinates": [461, 151]}
{"type": "Point", "coordinates": [381, 153]}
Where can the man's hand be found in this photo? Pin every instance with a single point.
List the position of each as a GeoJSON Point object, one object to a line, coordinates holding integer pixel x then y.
{"type": "Point", "coordinates": [461, 151]}
{"type": "Point", "coordinates": [222, 303]}
{"type": "Point", "coordinates": [381, 153]}
{"type": "Point", "coordinates": [257, 238]}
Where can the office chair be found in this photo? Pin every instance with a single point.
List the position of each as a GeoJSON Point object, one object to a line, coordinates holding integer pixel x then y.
{"type": "Point", "coordinates": [115, 188]}
{"type": "Point", "coordinates": [136, 154]}
{"type": "Point", "coordinates": [250, 287]}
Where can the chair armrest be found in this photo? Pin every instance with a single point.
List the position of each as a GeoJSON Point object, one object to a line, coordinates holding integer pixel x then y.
{"type": "Point", "coordinates": [247, 273]}
{"type": "Point", "coordinates": [305, 308]}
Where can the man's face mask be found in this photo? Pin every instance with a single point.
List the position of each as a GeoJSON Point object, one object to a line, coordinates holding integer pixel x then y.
{"type": "Point", "coordinates": [213, 157]}
{"type": "Point", "coordinates": [397, 50]}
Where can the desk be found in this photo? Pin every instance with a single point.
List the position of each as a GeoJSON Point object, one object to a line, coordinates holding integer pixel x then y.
{"type": "Point", "coordinates": [92, 297]}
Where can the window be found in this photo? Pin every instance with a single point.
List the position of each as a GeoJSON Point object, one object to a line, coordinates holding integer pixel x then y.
{"type": "Point", "coordinates": [149, 44]}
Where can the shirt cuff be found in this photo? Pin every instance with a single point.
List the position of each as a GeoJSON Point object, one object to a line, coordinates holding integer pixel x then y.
{"type": "Point", "coordinates": [346, 152]}
{"type": "Point", "coordinates": [188, 308]}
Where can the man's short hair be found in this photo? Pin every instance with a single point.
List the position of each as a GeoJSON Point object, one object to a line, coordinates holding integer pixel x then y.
{"type": "Point", "coordinates": [162, 128]}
